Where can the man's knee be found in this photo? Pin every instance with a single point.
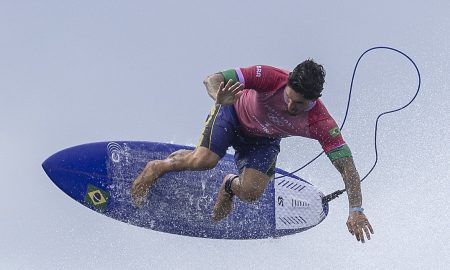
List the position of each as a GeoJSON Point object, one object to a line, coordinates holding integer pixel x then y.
{"type": "Point", "coordinates": [203, 159]}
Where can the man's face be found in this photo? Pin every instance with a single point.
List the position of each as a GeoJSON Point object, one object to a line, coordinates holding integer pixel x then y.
{"type": "Point", "coordinates": [296, 102]}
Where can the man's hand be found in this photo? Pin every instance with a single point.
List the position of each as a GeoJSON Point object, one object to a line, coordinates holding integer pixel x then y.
{"type": "Point", "coordinates": [358, 224]}
{"type": "Point", "coordinates": [229, 93]}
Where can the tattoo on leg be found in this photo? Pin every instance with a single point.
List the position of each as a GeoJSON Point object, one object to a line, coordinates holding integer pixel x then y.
{"type": "Point", "coordinates": [173, 160]}
{"type": "Point", "coordinates": [176, 160]}
{"type": "Point", "coordinates": [176, 156]}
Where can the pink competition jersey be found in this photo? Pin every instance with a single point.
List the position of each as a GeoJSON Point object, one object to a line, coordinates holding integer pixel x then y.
{"type": "Point", "coordinates": [262, 110]}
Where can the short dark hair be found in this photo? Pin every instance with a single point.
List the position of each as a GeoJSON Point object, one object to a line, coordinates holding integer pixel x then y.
{"type": "Point", "coordinates": [307, 78]}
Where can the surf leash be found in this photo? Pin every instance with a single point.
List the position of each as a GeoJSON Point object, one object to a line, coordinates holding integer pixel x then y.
{"type": "Point", "coordinates": [336, 194]}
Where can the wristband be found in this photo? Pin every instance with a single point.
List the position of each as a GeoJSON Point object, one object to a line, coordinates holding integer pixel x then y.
{"type": "Point", "coordinates": [357, 209]}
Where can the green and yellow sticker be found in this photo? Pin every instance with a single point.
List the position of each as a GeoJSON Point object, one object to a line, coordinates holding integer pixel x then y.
{"type": "Point", "coordinates": [334, 132]}
{"type": "Point", "coordinates": [96, 197]}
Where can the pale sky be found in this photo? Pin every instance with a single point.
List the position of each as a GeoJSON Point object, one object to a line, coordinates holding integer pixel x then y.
{"type": "Point", "coordinates": [75, 72]}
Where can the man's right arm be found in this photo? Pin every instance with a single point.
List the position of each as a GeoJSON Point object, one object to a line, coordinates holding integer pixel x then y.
{"type": "Point", "coordinates": [212, 83]}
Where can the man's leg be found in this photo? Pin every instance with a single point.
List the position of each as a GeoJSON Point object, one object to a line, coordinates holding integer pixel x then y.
{"type": "Point", "coordinates": [256, 160]}
{"type": "Point", "coordinates": [217, 135]}
{"type": "Point", "coordinates": [196, 160]}
{"type": "Point", "coordinates": [249, 186]}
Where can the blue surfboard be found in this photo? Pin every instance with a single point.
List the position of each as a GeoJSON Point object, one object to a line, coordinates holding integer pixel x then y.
{"type": "Point", "coordinates": [100, 175]}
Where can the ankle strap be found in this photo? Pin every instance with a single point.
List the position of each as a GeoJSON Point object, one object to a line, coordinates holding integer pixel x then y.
{"type": "Point", "coordinates": [228, 184]}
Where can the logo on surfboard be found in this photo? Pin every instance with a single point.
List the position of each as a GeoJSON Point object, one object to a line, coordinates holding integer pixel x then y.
{"type": "Point", "coordinates": [114, 150]}
{"type": "Point", "coordinates": [118, 153]}
{"type": "Point", "coordinates": [280, 201]}
{"type": "Point", "coordinates": [96, 197]}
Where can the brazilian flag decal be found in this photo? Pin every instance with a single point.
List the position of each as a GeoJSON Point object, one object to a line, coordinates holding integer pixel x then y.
{"type": "Point", "coordinates": [96, 197]}
{"type": "Point", "coordinates": [334, 132]}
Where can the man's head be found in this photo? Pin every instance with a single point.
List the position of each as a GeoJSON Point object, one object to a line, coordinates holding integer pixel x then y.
{"type": "Point", "coordinates": [305, 85]}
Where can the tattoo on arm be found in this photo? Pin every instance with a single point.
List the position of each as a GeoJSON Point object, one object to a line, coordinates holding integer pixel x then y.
{"type": "Point", "coordinates": [350, 176]}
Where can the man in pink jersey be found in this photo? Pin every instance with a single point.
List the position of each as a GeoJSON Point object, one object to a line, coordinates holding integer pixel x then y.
{"type": "Point", "coordinates": [254, 108]}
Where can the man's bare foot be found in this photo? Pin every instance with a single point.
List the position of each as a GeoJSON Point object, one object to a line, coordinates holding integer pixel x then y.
{"type": "Point", "coordinates": [224, 202]}
{"type": "Point", "coordinates": [142, 184]}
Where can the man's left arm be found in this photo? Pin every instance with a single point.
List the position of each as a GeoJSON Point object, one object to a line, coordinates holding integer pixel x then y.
{"type": "Point", "coordinates": [357, 222]}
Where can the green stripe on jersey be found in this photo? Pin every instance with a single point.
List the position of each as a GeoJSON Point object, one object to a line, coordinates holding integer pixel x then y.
{"type": "Point", "coordinates": [230, 74]}
{"type": "Point", "coordinates": [340, 152]}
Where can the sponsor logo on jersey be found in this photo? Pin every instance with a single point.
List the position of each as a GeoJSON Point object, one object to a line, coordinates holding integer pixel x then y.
{"type": "Point", "coordinates": [258, 71]}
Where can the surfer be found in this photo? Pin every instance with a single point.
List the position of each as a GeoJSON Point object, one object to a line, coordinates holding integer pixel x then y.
{"type": "Point", "coordinates": [254, 108]}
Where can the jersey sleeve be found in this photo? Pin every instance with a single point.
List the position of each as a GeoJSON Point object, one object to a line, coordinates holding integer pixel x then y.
{"type": "Point", "coordinates": [328, 134]}
{"type": "Point", "coordinates": [260, 78]}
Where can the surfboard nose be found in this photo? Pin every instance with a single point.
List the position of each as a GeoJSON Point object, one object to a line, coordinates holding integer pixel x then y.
{"type": "Point", "coordinates": [46, 165]}
{"type": "Point", "coordinates": [61, 160]}
{"type": "Point", "coordinates": [49, 166]}
{"type": "Point", "coordinates": [75, 169]}
{"type": "Point", "coordinates": [76, 160]}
